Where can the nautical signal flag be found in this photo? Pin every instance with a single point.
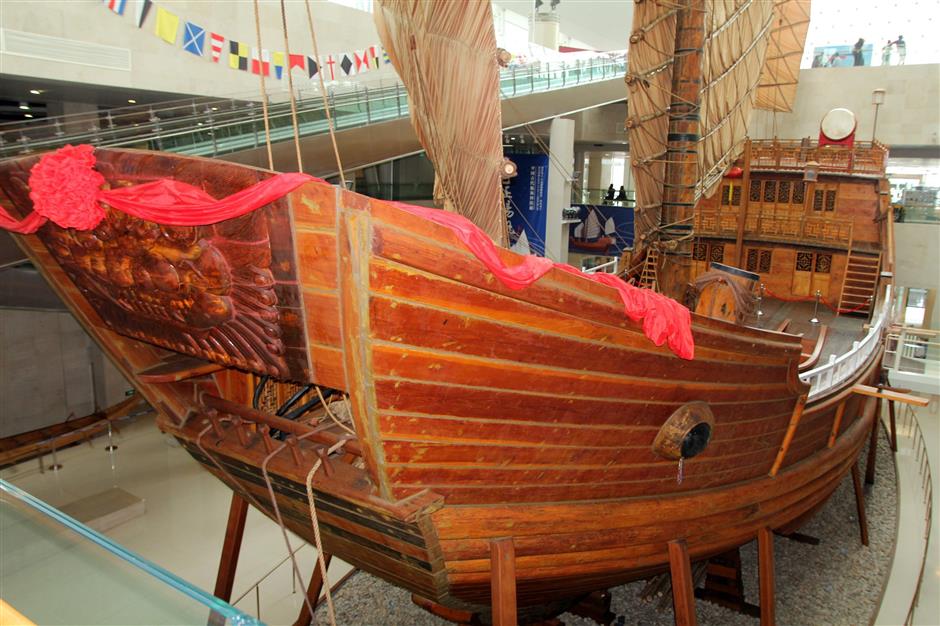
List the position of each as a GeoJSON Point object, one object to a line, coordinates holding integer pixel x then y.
{"type": "Point", "coordinates": [328, 67]}
{"type": "Point", "coordinates": [260, 63]}
{"type": "Point", "coordinates": [194, 38]}
{"type": "Point", "coordinates": [312, 67]}
{"type": "Point", "coordinates": [216, 41]}
{"type": "Point", "coordinates": [347, 65]}
{"type": "Point", "coordinates": [278, 60]}
{"type": "Point", "coordinates": [296, 60]}
{"type": "Point", "coordinates": [374, 57]}
{"type": "Point", "coordinates": [140, 13]}
{"type": "Point", "coordinates": [237, 55]}
{"type": "Point", "coordinates": [117, 6]}
{"type": "Point", "coordinates": [168, 24]}
{"type": "Point", "coordinates": [363, 61]}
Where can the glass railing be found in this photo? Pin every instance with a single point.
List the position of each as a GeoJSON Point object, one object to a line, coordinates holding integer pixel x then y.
{"type": "Point", "coordinates": [211, 127]}
{"type": "Point", "coordinates": [56, 570]}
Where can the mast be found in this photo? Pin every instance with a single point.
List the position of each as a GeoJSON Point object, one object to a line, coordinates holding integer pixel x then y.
{"type": "Point", "coordinates": [682, 163]}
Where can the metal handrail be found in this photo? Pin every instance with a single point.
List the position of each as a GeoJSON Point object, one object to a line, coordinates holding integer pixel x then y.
{"type": "Point", "coordinates": [214, 126]}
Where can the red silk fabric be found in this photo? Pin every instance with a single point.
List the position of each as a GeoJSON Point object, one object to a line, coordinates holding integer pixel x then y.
{"type": "Point", "coordinates": [664, 320]}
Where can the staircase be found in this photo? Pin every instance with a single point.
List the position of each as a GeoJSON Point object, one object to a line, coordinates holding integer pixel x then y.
{"type": "Point", "coordinates": [861, 277]}
{"type": "Point", "coordinates": [649, 277]}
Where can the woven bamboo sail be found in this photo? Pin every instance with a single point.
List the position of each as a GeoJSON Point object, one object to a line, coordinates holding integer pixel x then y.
{"type": "Point", "coordinates": [457, 121]}
{"type": "Point", "coordinates": [739, 38]}
{"type": "Point", "coordinates": [777, 88]}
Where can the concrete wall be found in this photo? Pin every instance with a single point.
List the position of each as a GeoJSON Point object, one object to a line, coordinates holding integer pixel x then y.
{"type": "Point", "coordinates": [46, 371]}
{"type": "Point", "coordinates": [910, 115]}
{"type": "Point", "coordinates": [158, 66]}
{"type": "Point", "coordinates": [917, 261]}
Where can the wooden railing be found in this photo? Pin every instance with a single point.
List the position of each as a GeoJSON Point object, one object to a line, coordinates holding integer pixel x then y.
{"type": "Point", "coordinates": [865, 158]}
{"type": "Point", "coordinates": [787, 227]}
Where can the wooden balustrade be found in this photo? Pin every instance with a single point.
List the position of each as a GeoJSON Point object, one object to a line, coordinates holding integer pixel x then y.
{"type": "Point", "coordinates": [789, 227]}
{"type": "Point", "coordinates": [864, 158]}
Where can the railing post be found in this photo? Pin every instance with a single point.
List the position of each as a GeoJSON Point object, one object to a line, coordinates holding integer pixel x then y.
{"type": "Point", "coordinates": [398, 97]}
{"type": "Point", "coordinates": [368, 110]}
{"type": "Point", "coordinates": [513, 81]}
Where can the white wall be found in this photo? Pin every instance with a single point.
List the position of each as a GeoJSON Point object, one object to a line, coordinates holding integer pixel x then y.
{"type": "Point", "coordinates": [917, 260]}
{"type": "Point", "coordinates": [158, 66]}
{"type": "Point", "coordinates": [910, 115]}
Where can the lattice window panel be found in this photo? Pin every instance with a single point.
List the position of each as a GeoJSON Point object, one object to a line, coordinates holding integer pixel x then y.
{"type": "Point", "coordinates": [783, 192]}
{"type": "Point", "coordinates": [770, 190]}
{"type": "Point", "coordinates": [717, 253]}
{"type": "Point", "coordinates": [799, 193]}
{"type": "Point", "coordinates": [699, 251]}
{"type": "Point", "coordinates": [754, 194]}
{"type": "Point", "coordinates": [804, 261]}
{"type": "Point", "coordinates": [830, 199]}
{"type": "Point", "coordinates": [823, 263]}
{"type": "Point", "coordinates": [818, 200]}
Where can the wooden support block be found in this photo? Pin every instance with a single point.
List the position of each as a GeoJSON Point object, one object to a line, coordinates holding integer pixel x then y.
{"type": "Point", "coordinates": [231, 546]}
{"type": "Point", "coordinates": [503, 581]}
{"type": "Point", "coordinates": [304, 618]}
{"type": "Point", "coordinates": [683, 593]}
{"type": "Point", "coordinates": [889, 394]}
{"type": "Point", "coordinates": [765, 556]}
{"type": "Point", "coordinates": [175, 368]}
{"type": "Point", "coordinates": [860, 504]}
{"type": "Point", "coordinates": [873, 445]}
{"type": "Point", "coordinates": [892, 420]}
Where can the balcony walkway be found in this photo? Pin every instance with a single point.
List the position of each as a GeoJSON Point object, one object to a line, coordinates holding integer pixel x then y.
{"type": "Point", "coordinates": [233, 128]}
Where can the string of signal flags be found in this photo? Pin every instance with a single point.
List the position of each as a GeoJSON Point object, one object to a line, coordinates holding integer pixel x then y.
{"type": "Point", "coordinates": [238, 55]}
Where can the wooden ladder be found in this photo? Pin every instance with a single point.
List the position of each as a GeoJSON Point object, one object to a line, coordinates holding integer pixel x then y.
{"type": "Point", "coordinates": [861, 278]}
{"type": "Point", "coordinates": [649, 278]}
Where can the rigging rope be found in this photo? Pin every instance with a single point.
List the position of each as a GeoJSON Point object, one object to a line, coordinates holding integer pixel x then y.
{"type": "Point", "coordinates": [264, 92]}
{"type": "Point", "coordinates": [321, 559]}
{"type": "Point", "coordinates": [290, 88]}
{"type": "Point", "coordinates": [326, 104]}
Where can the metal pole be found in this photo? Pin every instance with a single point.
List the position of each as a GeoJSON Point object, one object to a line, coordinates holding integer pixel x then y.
{"type": "Point", "coordinates": [760, 301]}
{"type": "Point", "coordinates": [110, 447]}
{"type": "Point", "coordinates": [875, 125]}
{"type": "Point", "coordinates": [815, 319]}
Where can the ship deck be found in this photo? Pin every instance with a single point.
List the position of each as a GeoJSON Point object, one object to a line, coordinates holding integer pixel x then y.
{"type": "Point", "coordinates": [842, 329]}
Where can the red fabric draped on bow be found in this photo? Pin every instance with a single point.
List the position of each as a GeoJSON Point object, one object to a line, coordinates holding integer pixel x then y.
{"type": "Point", "coordinates": [664, 320]}
{"type": "Point", "coordinates": [65, 188]}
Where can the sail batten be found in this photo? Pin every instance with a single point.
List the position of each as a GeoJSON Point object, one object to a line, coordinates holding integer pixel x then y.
{"type": "Point", "coordinates": [781, 73]}
{"type": "Point", "coordinates": [459, 123]}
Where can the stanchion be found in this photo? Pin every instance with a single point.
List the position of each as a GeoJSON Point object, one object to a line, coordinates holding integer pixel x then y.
{"type": "Point", "coordinates": [815, 319]}
{"type": "Point", "coordinates": [56, 466]}
{"type": "Point", "coordinates": [760, 302]}
{"type": "Point", "coordinates": [110, 447]}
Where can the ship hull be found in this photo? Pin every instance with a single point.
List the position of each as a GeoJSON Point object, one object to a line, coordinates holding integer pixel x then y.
{"type": "Point", "coordinates": [480, 411]}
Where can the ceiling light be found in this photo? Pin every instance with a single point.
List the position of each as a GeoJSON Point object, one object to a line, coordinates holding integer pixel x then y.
{"type": "Point", "coordinates": [131, 101]}
{"type": "Point", "coordinates": [215, 108]}
{"type": "Point", "coordinates": [35, 92]}
{"type": "Point", "coordinates": [28, 115]}
{"type": "Point", "coordinates": [24, 106]}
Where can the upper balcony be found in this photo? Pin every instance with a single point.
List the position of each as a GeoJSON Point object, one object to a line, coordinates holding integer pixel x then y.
{"type": "Point", "coordinates": [865, 158]}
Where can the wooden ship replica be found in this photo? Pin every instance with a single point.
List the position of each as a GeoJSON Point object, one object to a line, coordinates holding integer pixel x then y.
{"type": "Point", "coordinates": [492, 432]}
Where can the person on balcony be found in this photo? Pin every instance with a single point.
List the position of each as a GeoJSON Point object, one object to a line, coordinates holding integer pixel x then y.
{"type": "Point", "coordinates": [621, 194]}
{"type": "Point", "coordinates": [610, 193]}
{"type": "Point", "coordinates": [857, 53]}
{"type": "Point", "coordinates": [886, 53]}
{"type": "Point", "coordinates": [902, 49]}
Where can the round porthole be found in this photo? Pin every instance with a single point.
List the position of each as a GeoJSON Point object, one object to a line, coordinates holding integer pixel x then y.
{"type": "Point", "coordinates": [686, 433]}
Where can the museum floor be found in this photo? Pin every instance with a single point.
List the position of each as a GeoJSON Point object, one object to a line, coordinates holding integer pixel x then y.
{"type": "Point", "coordinates": [837, 582]}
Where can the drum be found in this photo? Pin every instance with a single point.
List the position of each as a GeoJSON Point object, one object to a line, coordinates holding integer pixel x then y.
{"type": "Point", "coordinates": [838, 124]}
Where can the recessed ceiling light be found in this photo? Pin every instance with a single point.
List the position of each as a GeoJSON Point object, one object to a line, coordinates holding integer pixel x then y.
{"type": "Point", "coordinates": [28, 115]}
{"type": "Point", "coordinates": [35, 92]}
{"type": "Point", "coordinates": [215, 108]}
{"type": "Point", "coordinates": [131, 101]}
{"type": "Point", "coordinates": [24, 106]}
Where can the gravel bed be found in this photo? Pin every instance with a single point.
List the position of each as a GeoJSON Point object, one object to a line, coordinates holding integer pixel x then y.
{"type": "Point", "coordinates": [837, 582]}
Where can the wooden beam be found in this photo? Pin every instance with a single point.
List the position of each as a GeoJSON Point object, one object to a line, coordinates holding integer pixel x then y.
{"type": "Point", "coordinates": [231, 546]}
{"type": "Point", "coordinates": [503, 581]}
{"type": "Point", "coordinates": [836, 423]}
{"type": "Point", "coordinates": [860, 504]}
{"type": "Point", "coordinates": [788, 437]}
{"type": "Point", "coordinates": [873, 444]}
{"type": "Point", "coordinates": [889, 394]}
{"type": "Point", "coordinates": [765, 563]}
{"type": "Point", "coordinates": [304, 618]}
{"type": "Point", "coordinates": [892, 421]}
{"type": "Point", "coordinates": [742, 209]}
{"type": "Point", "coordinates": [683, 593]}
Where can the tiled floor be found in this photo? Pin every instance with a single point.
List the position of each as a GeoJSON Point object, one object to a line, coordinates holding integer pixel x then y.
{"type": "Point", "coordinates": [184, 525]}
